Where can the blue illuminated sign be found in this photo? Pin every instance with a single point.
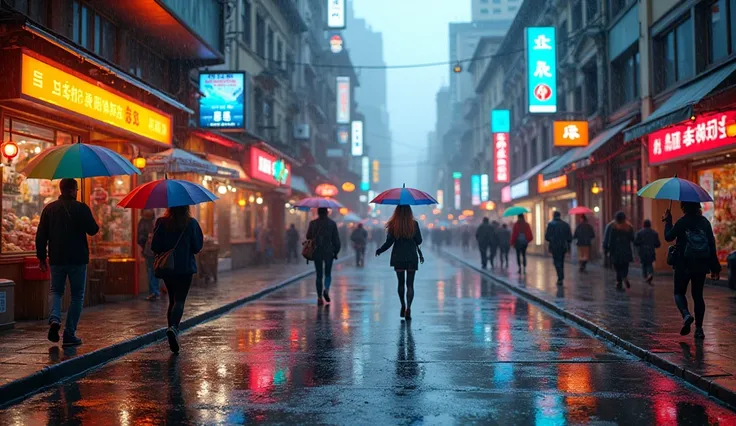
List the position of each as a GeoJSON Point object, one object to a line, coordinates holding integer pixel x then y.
{"type": "Point", "coordinates": [475, 190]}
{"type": "Point", "coordinates": [500, 121]}
{"type": "Point", "coordinates": [222, 104]}
{"type": "Point", "coordinates": [541, 68]}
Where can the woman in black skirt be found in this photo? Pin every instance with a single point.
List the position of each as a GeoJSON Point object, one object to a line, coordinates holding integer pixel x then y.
{"type": "Point", "coordinates": [402, 232]}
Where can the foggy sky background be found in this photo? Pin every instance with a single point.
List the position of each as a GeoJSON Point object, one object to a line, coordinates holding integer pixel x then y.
{"type": "Point", "coordinates": [414, 31]}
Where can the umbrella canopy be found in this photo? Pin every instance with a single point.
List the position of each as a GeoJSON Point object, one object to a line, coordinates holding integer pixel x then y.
{"type": "Point", "coordinates": [580, 210]}
{"type": "Point", "coordinates": [675, 189]}
{"type": "Point", "coordinates": [515, 211]}
{"type": "Point", "coordinates": [166, 193]}
{"type": "Point", "coordinates": [78, 161]}
{"type": "Point", "coordinates": [177, 160]}
{"type": "Point", "coordinates": [404, 197]}
{"type": "Point", "coordinates": [317, 203]}
{"type": "Point", "coordinates": [352, 217]}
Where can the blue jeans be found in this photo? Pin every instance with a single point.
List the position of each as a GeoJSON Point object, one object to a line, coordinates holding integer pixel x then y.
{"type": "Point", "coordinates": [153, 282]}
{"type": "Point", "coordinates": [323, 267]}
{"type": "Point", "coordinates": [77, 275]}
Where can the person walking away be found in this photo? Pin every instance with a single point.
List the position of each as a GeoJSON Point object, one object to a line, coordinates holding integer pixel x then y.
{"type": "Point", "coordinates": [324, 232]}
{"type": "Point", "coordinates": [493, 246]}
{"type": "Point", "coordinates": [359, 237]}
{"type": "Point", "coordinates": [504, 244]}
{"type": "Point", "coordinates": [695, 255]}
{"type": "Point", "coordinates": [292, 244]}
{"type": "Point", "coordinates": [618, 243]}
{"type": "Point", "coordinates": [559, 237]}
{"type": "Point", "coordinates": [466, 238]}
{"type": "Point", "coordinates": [404, 235]}
{"type": "Point", "coordinates": [180, 234]}
{"type": "Point", "coordinates": [63, 227]}
{"type": "Point", "coordinates": [145, 235]}
{"type": "Point", "coordinates": [584, 234]}
{"type": "Point", "coordinates": [483, 236]}
{"type": "Point", "coordinates": [647, 242]}
{"type": "Point", "coordinates": [521, 236]}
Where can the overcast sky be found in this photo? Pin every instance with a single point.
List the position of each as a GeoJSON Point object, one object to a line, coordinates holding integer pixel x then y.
{"type": "Point", "coordinates": [414, 31]}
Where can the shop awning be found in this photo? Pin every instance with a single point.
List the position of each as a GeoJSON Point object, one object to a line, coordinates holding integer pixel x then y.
{"type": "Point", "coordinates": [555, 168]}
{"type": "Point", "coordinates": [179, 161]}
{"type": "Point", "coordinates": [679, 107]}
{"type": "Point", "coordinates": [534, 170]}
{"type": "Point", "coordinates": [298, 184]}
{"type": "Point", "coordinates": [585, 153]}
{"type": "Point", "coordinates": [227, 163]}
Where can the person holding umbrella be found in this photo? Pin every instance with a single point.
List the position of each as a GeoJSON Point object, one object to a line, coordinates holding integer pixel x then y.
{"type": "Point", "coordinates": [521, 236]}
{"type": "Point", "coordinates": [584, 235]}
{"type": "Point", "coordinates": [403, 233]}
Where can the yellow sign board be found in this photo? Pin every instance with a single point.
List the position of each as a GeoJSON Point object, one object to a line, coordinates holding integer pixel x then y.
{"type": "Point", "coordinates": [54, 86]}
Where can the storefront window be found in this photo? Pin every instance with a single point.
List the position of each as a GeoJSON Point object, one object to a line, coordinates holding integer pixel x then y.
{"type": "Point", "coordinates": [115, 237]}
{"type": "Point", "coordinates": [627, 182]}
{"type": "Point", "coordinates": [720, 183]}
{"type": "Point", "coordinates": [24, 199]}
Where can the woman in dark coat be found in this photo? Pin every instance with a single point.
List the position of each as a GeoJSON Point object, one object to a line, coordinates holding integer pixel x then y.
{"type": "Point", "coordinates": [402, 232]}
{"type": "Point", "coordinates": [584, 235]}
{"type": "Point", "coordinates": [691, 266]}
{"type": "Point", "coordinates": [618, 242]}
{"type": "Point", "coordinates": [647, 242]}
{"type": "Point", "coordinates": [324, 232]}
{"type": "Point", "coordinates": [179, 232]}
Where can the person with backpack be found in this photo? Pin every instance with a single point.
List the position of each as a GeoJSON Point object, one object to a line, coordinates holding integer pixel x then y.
{"type": "Point", "coordinates": [693, 257]}
{"type": "Point", "coordinates": [647, 242]}
{"type": "Point", "coordinates": [176, 239]}
{"type": "Point", "coordinates": [404, 235]}
{"type": "Point", "coordinates": [484, 236]}
{"type": "Point", "coordinates": [324, 237]}
{"type": "Point", "coordinates": [145, 236]}
{"type": "Point", "coordinates": [521, 236]}
{"type": "Point", "coordinates": [617, 243]}
{"type": "Point", "coordinates": [559, 237]}
{"type": "Point", "coordinates": [584, 235]}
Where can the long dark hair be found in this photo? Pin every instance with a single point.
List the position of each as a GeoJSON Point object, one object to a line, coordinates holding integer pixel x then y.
{"type": "Point", "coordinates": [401, 224]}
{"type": "Point", "coordinates": [177, 217]}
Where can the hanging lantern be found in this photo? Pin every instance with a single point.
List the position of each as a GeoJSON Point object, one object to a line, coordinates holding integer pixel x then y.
{"type": "Point", "coordinates": [10, 150]}
{"type": "Point", "coordinates": [139, 162]}
{"type": "Point", "coordinates": [596, 189]}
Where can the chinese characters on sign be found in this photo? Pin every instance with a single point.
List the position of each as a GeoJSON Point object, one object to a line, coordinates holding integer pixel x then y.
{"type": "Point", "coordinates": [49, 84]}
{"type": "Point", "coordinates": [343, 100]}
{"type": "Point", "coordinates": [484, 187]}
{"type": "Point", "coordinates": [549, 185]}
{"type": "Point", "coordinates": [268, 168]}
{"type": "Point", "coordinates": [222, 106]}
{"type": "Point", "coordinates": [706, 133]}
{"type": "Point", "coordinates": [456, 187]}
{"type": "Point", "coordinates": [570, 133]}
{"type": "Point", "coordinates": [475, 190]}
{"type": "Point", "coordinates": [336, 14]}
{"type": "Point", "coordinates": [501, 157]}
{"type": "Point", "coordinates": [541, 69]}
{"type": "Point", "coordinates": [365, 179]}
{"type": "Point", "coordinates": [357, 138]}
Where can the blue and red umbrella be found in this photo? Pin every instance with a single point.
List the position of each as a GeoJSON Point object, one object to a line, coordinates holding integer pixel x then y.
{"type": "Point", "coordinates": [404, 197]}
{"type": "Point", "coordinates": [166, 193]}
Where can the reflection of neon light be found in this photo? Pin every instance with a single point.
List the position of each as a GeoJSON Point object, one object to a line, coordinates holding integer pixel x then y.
{"type": "Point", "coordinates": [548, 410]}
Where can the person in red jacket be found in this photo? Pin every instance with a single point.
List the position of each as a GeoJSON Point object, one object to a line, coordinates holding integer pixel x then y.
{"type": "Point", "coordinates": [521, 236]}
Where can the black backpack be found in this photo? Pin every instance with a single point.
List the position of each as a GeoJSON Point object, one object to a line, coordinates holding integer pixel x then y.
{"type": "Point", "coordinates": [697, 247]}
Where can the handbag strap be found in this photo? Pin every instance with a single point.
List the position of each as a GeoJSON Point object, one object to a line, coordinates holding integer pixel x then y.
{"type": "Point", "coordinates": [181, 235]}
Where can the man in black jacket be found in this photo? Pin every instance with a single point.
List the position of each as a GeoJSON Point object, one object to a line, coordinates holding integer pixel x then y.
{"type": "Point", "coordinates": [64, 226]}
{"type": "Point", "coordinates": [326, 236]}
{"type": "Point", "coordinates": [485, 237]}
{"type": "Point", "coordinates": [559, 237]}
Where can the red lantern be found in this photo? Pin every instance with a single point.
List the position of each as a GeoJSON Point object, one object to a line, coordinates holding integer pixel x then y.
{"type": "Point", "coordinates": [10, 150]}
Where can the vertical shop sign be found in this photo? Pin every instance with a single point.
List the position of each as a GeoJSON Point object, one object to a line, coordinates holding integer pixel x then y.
{"type": "Point", "coordinates": [475, 190]}
{"type": "Point", "coordinates": [356, 138]}
{"type": "Point", "coordinates": [343, 100]}
{"type": "Point", "coordinates": [343, 134]}
{"type": "Point", "coordinates": [500, 128]}
{"type": "Point", "coordinates": [440, 198]}
{"type": "Point", "coordinates": [456, 187]}
{"type": "Point", "coordinates": [365, 176]}
{"type": "Point", "coordinates": [506, 194]}
{"type": "Point", "coordinates": [484, 187]}
{"type": "Point", "coordinates": [376, 171]}
{"type": "Point", "coordinates": [335, 14]}
{"type": "Point", "coordinates": [541, 67]}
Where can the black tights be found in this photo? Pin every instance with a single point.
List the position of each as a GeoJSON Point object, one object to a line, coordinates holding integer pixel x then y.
{"type": "Point", "coordinates": [407, 280]}
{"type": "Point", "coordinates": [178, 288]}
{"type": "Point", "coordinates": [697, 279]}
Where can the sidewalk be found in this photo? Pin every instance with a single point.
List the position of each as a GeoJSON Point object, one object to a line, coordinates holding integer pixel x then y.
{"type": "Point", "coordinates": [28, 361]}
{"type": "Point", "coordinates": [642, 320]}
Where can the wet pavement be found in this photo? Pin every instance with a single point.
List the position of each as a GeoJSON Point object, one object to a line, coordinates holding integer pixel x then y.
{"type": "Point", "coordinates": [643, 315]}
{"type": "Point", "coordinates": [25, 350]}
{"type": "Point", "coordinates": [473, 353]}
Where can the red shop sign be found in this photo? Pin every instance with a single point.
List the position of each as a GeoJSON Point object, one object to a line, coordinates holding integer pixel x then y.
{"type": "Point", "coordinates": [706, 133]}
{"type": "Point", "coordinates": [500, 157]}
{"type": "Point", "coordinates": [269, 168]}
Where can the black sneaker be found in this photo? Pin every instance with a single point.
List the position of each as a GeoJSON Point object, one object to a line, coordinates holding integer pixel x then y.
{"type": "Point", "coordinates": [172, 334]}
{"type": "Point", "coordinates": [70, 341]}
{"type": "Point", "coordinates": [326, 295]}
{"type": "Point", "coordinates": [685, 330]}
{"type": "Point", "coordinates": [54, 332]}
{"type": "Point", "coordinates": [699, 333]}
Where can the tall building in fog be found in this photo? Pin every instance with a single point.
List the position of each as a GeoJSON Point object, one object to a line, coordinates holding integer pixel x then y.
{"type": "Point", "coordinates": [488, 10]}
{"type": "Point", "coordinates": [366, 47]}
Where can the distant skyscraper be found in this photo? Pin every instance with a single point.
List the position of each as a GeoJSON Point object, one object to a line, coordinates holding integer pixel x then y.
{"type": "Point", "coordinates": [489, 10]}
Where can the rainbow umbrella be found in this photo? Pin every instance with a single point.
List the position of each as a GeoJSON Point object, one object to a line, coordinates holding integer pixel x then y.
{"type": "Point", "coordinates": [404, 197]}
{"type": "Point", "coordinates": [78, 161]}
{"type": "Point", "coordinates": [165, 193]}
{"type": "Point", "coordinates": [675, 189]}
